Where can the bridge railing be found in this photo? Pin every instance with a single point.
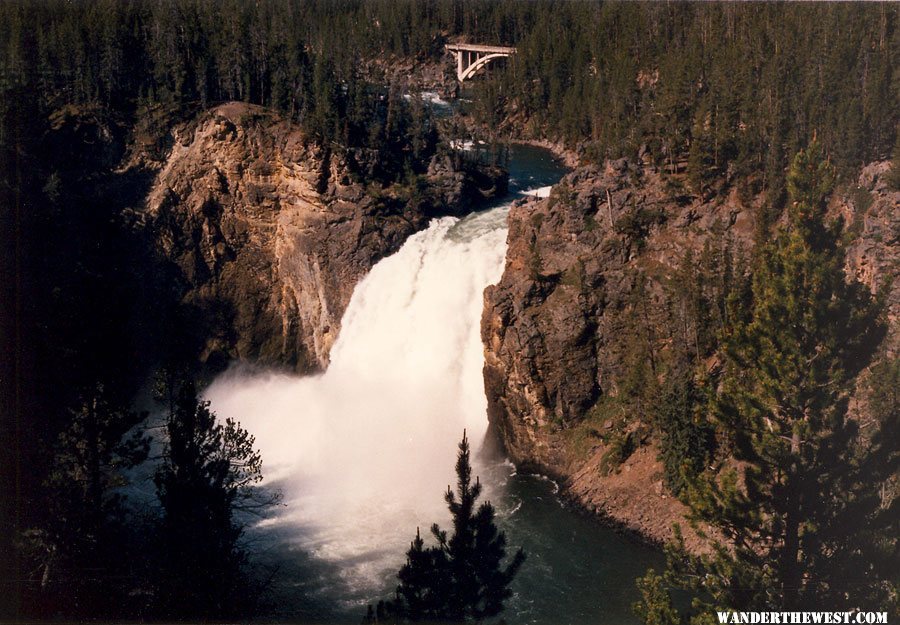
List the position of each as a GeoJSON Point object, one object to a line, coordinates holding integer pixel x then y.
{"type": "Point", "coordinates": [473, 47]}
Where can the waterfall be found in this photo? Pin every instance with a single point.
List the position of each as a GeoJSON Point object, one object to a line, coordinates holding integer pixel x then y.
{"type": "Point", "coordinates": [364, 452]}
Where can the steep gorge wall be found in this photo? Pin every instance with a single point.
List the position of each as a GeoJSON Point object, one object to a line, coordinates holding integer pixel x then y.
{"type": "Point", "coordinates": [553, 326]}
{"type": "Point", "coordinates": [270, 232]}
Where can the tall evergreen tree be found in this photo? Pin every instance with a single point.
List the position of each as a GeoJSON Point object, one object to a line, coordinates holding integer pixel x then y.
{"type": "Point", "coordinates": [208, 471]}
{"type": "Point", "coordinates": [800, 512]}
{"type": "Point", "coordinates": [701, 165]}
{"type": "Point", "coordinates": [462, 578]}
{"type": "Point", "coordinates": [422, 594]}
{"type": "Point", "coordinates": [81, 552]}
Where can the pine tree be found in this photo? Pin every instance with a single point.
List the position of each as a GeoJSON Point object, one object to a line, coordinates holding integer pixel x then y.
{"type": "Point", "coordinates": [81, 551]}
{"type": "Point", "coordinates": [701, 166]}
{"type": "Point", "coordinates": [424, 583]}
{"type": "Point", "coordinates": [894, 173]}
{"type": "Point", "coordinates": [208, 470]}
{"type": "Point", "coordinates": [686, 439]}
{"type": "Point", "coordinates": [655, 606]}
{"type": "Point", "coordinates": [883, 459]}
{"type": "Point", "coordinates": [462, 578]}
{"type": "Point", "coordinates": [800, 512]}
{"type": "Point", "coordinates": [476, 550]}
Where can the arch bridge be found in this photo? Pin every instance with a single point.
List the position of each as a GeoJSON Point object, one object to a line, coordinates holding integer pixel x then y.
{"type": "Point", "coordinates": [472, 58]}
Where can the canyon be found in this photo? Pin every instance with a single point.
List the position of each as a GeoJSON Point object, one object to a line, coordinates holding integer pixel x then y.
{"type": "Point", "coordinates": [552, 325]}
{"type": "Point", "coordinates": [266, 235]}
{"type": "Point", "coordinates": [270, 231]}
{"type": "Point", "coordinates": [268, 263]}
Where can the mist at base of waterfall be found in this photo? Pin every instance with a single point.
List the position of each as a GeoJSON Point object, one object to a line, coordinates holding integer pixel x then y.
{"type": "Point", "coordinates": [364, 452]}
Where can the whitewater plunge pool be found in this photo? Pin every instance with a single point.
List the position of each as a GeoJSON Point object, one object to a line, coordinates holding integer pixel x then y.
{"type": "Point", "coordinates": [364, 452]}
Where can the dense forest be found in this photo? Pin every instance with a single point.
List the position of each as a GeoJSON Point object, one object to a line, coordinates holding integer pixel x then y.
{"type": "Point", "coordinates": [721, 92]}
{"type": "Point", "coordinates": [733, 88]}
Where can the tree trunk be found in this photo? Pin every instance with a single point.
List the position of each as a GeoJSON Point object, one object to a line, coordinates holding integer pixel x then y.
{"type": "Point", "coordinates": [790, 565]}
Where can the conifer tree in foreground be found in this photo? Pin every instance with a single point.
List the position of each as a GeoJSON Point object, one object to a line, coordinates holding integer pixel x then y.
{"type": "Point", "coordinates": [462, 578]}
{"type": "Point", "coordinates": [800, 516]}
{"type": "Point", "coordinates": [82, 554]}
{"type": "Point", "coordinates": [208, 472]}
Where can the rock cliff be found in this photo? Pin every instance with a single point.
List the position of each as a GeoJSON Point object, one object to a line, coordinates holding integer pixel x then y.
{"type": "Point", "coordinates": [270, 232]}
{"type": "Point", "coordinates": [553, 326]}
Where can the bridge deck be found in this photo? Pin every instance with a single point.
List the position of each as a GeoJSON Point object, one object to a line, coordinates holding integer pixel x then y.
{"type": "Point", "coordinates": [472, 47]}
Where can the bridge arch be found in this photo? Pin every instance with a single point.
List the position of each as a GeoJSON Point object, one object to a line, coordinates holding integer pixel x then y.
{"type": "Point", "coordinates": [472, 58]}
{"type": "Point", "coordinates": [478, 65]}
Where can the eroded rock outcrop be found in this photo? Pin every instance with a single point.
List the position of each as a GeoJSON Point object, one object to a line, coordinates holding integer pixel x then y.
{"type": "Point", "coordinates": [552, 327]}
{"type": "Point", "coordinates": [270, 231]}
{"type": "Point", "coordinates": [871, 212]}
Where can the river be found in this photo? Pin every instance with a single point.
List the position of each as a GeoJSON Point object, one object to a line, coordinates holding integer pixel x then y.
{"type": "Point", "coordinates": [363, 453]}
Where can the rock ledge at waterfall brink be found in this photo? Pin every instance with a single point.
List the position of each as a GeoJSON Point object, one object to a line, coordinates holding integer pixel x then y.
{"type": "Point", "coordinates": [550, 325]}
{"type": "Point", "coordinates": [269, 232]}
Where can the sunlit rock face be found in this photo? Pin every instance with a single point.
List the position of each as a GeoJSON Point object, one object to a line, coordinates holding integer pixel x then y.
{"type": "Point", "coordinates": [270, 232]}
{"type": "Point", "coordinates": [552, 325]}
{"type": "Point", "coordinates": [871, 212]}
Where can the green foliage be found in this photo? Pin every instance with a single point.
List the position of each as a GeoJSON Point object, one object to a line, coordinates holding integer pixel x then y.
{"type": "Point", "coordinates": [884, 406]}
{"type": "Point", "coordinates": [80, 551]}
{"type": "Point", "coordinates": [686, 439]}
{"type": "Point", "coordinates": [132, 59]}
{"type": "Point", "coordinates": [535, 262]}
{"type": "Point", "coordinates": [561, 194]}
{"type": "Point", "coordinates": [862, 199]}
{"type": "Point", "coordinates": [208, 472]}
{"type": "Point", "coordinates": [462, 578]}
{"type": "Point", "coordinates": [710, 89]}
{"type": "Point", "coordinates": [655, 606]}
{"type": "Point", "coordinates": [884, 393]}
{"type": "Point", "coordinates": [635, 224]}
{"type": "Point", "coordinates": [699, 293]}
{"type": "Point", "coordinates": [894, 174]}
{"type": "Point", "coordinates": [620, 446]}
{"type": "Point", "coordinates": [801, 514]}
{"type": "Point", "coordinates": [664, 389]}
{"type": "Point", "coordinates": [637, 338]}
{"type": "Point", "coordinates": [574, 276]}
{"type": "Point", "coordinates": [715, 88]}
{"type": "Point", "coordinates": [631, 402]}
{"type": "Point", "coordinates": [702, 153]}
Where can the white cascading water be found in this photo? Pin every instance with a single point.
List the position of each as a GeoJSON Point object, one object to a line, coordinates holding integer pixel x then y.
{"type": "Point", "coordinates": [364, 452]}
